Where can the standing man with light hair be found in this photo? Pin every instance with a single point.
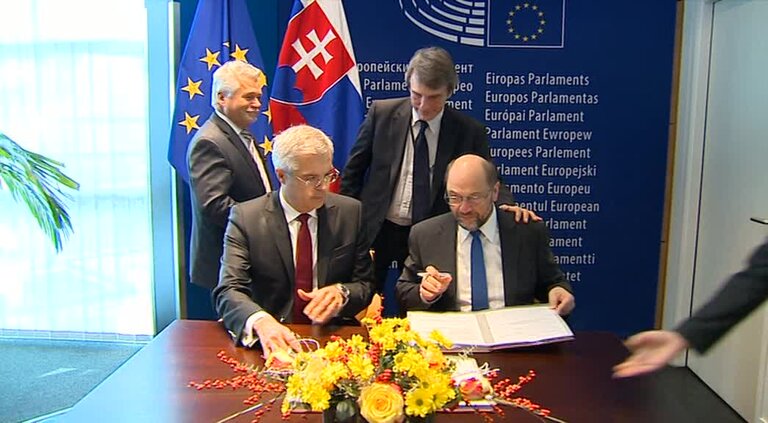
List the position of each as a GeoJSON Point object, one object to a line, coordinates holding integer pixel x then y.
{"type": "Point", "coordinates": [297, 255]}
{"type": "Point", "coordinates": [398, 162]}
{"type": "Point", "coordinates": [475, 258]}
{"type": "Point", "coordinates": [225, 165]}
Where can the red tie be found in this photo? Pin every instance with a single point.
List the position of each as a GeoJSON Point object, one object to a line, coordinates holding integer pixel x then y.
{"type": "Point", "coordinates": [303, 268]}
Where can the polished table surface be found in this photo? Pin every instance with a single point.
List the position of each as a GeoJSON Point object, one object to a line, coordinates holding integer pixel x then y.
{"type": "Point", "coordinates": [573, 380]}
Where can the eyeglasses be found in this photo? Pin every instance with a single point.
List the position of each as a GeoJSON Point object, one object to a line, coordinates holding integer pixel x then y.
{"type": "Point", "coordinates": [319, 181]}
{"type": "Point", "coordinates": [472, 199]}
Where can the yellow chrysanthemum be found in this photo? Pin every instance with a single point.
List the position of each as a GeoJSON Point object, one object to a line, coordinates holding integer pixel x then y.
{"type": "Point", "coordinates": [334, 350]}
{"type": "Point", "coordinates": [419, 402]}
{"type": "Point", "coordinates": [317, 397]}
{"type": "Point", "coordinates": [434, 357]}
{"type": "Point", "coordinates": [357, 344]}
{"type": "Point", "coordinates": [346, 367]}
{"type": "Point", "coordinates": [332, 373]}
{"type": "Point", "coordinates": [441, 340]}
{"type": "Point", "coordinates": [361, 367]}
{"type": "Point", "coordinates": [440, 386]}
{"type": "Point", "coordinates": [412, 363]}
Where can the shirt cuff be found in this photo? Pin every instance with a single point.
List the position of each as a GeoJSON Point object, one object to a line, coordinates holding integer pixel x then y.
{"type": "Point", "coordinates": [428, 302]}
{"type": "Point", "coordinates": [249, 338]}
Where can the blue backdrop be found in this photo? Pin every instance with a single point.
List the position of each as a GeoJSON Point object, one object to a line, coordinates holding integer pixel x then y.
{"type": "Point", "coordinates": [576, 98]}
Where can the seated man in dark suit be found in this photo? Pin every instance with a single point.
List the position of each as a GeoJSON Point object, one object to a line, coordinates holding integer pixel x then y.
{"type": "Point", "coordinates": [295, 255]}
{"type": "Point", "coordinates": [494, 261]}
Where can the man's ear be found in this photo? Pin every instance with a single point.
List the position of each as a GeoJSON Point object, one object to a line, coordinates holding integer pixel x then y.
{"type": "Point", "coordinates": [281, 176]}
{"type": "Point", "coordinates": [495, 192]}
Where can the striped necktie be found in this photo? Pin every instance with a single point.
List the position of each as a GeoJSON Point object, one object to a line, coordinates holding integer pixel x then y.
{"type": "Point", "coordinates": [257, 158]}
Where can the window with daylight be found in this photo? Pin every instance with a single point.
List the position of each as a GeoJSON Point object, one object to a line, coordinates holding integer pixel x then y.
{"type": "Point", "coordinates": [74, 88]}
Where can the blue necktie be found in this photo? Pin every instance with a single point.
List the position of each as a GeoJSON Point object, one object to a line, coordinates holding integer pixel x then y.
{"type": "Point", "coordinates": [477, 272]}
{"type": "Point", "coordinates": [420, 194]}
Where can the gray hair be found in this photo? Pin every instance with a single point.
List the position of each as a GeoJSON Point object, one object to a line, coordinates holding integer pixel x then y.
{"type": "Point", "coordinates": [433, 67]}
{"type": "Point", "coordinates": [296, 141]}
{"type": "Point", "coordinates": [226, 79]}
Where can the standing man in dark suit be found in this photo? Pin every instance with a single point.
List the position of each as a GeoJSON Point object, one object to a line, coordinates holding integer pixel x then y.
{"type": "Point", "coordinates": [225, 165]}
{"type": "Point", "coordinates": [397, 164]}
{"type": "Point", "coordinates": [295, 255]}
{"type": "Point", "coordinates": [475, 258]}
{"type": "Point", "coordinates": [742, 294]}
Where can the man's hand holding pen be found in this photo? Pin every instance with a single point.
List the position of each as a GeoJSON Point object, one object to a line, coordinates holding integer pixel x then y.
{"type": "Point", "coordinates": [433, 284]}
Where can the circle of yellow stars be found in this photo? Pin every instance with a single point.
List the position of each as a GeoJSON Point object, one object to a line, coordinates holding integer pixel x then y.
{"type": "Point", "coordinates": [526, 7]}
{"type": "Point", "coordinates": [211, 59]}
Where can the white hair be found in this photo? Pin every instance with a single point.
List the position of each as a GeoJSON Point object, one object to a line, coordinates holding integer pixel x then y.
{"type": "Point", "coordinates": [226, 79]}
{"type": "Point", "coordinates": [299, 140]}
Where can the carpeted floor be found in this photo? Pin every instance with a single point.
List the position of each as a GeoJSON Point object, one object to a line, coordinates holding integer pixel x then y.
{"type": "Point", "coordinates": [40, 377]}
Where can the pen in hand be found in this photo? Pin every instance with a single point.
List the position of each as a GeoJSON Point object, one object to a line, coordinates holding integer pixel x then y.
{"type": "Point", "coordinates": [433, 286]}
{"type": "Point", "coordinates": [422, 274]}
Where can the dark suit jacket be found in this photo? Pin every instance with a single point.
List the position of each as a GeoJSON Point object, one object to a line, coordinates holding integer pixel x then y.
{"type": "Point", "coordinates": [743, 293]}
{"type": "Point", "coordinates": [530, 271]}
{"type": "Point", "coordinates": [257, 269]}
{"type": "Point", "coordinates": [374, 163]}
{"type": "Point", "coordinates": [221, 173]}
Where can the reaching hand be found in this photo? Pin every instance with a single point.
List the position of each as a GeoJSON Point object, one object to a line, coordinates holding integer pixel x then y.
{"type": "Point", "coordinates": [433, 284]}
{"type": "Point", "coordinates": [273, 336]}
{"type": "Point", "coordinates": [520, 213]}
{"type": "Point", "coordinates": [561, 300]}
{"type": "Point", "coordinates": [650, 351]}
{"type": "Point", "coordinates": [324, 303]}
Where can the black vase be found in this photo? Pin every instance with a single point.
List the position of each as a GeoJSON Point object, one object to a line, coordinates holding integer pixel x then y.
{"type": "Point", "coordinates": [329, 416]}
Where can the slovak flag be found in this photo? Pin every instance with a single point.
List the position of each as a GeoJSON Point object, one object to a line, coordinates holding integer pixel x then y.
{"type": "Point", "coordinates": [317, 81]}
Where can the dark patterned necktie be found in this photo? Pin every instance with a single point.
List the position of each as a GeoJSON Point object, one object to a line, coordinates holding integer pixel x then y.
{"type": "Point", "coordinates": [420, 199]}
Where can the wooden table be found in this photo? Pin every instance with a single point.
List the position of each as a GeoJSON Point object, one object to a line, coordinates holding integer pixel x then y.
{"type": "Point", "coordinates": [573, 380]}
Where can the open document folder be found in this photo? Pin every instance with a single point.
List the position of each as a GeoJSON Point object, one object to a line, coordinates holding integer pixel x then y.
{"type": "Point", "coordinates": [490, 330]}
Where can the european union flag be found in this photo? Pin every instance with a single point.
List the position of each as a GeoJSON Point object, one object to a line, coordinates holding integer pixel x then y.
{"type": "Point", "coordinates": [526, 23]}
{"type": "Point", "coordinates": [221, 31]}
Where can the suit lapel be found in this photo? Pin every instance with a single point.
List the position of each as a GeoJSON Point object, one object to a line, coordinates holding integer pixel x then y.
{"type": "Point", "coordinates": [446, 237]}
{"type": "Point", "coordinates": [326, 219]}
{"type": "Point", "coordinates": [282, 237]}
{"type": "Point", "coordinates": [234, 139]}
{"type": "Point", "coordinates": [445, 146]}
{"type": "Point", "coordinates": [510, 250]}
{"type": "Point", "coordinates": [398, 134]}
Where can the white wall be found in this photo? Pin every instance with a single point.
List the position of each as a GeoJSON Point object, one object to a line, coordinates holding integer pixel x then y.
{"type": "Point", "coordinates": [721, 180]}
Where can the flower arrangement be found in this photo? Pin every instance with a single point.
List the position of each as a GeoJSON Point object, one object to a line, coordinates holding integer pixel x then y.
{"type": "Point", "coordinates": [393, 377]}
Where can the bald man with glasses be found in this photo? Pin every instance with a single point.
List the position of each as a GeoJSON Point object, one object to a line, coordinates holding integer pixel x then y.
{"type": "Point", "coordinates": [297, 255]}
{"type": "Point", "coordinates": [475, 258]}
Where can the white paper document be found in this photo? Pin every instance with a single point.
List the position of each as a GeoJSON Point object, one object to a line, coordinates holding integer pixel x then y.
{"type": "Point", "coordinates": [494, 329]}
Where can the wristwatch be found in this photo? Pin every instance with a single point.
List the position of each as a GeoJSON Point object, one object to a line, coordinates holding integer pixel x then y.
{"type": "Point", "coordinates": [344, 293]}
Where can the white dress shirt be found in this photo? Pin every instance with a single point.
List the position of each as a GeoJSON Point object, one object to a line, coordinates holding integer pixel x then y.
{"type": "Point", "coordinates": [400, 208]}
{"type": "Point", "coordinates": [493, 268]}
{"type": "Point", "coordinates": [254, 154]}
{"type": "Point", "coordinates": [292, 218]}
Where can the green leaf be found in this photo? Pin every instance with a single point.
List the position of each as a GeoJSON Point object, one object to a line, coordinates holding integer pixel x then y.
{"type": "Point", "coordinates": [38, 182]}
